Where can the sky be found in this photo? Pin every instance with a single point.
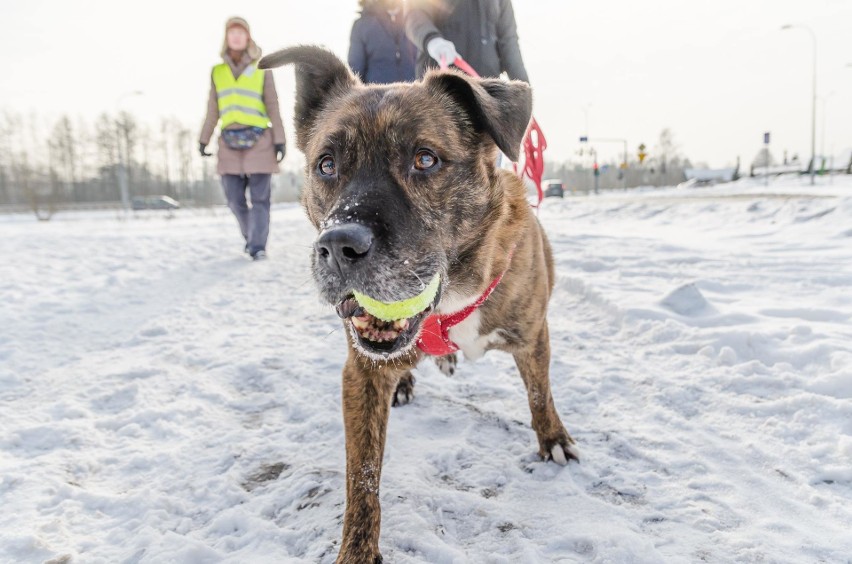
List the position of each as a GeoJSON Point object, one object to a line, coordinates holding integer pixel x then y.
{"type": "Point", "coordinates": [717, 73]}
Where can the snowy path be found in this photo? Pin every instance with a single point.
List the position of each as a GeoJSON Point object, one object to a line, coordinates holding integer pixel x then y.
{"type": "Point", "coordinates": [165, 400]}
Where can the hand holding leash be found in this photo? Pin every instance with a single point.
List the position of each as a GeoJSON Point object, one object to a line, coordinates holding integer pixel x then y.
{"type": "Point", "coordinates": [442, 50]}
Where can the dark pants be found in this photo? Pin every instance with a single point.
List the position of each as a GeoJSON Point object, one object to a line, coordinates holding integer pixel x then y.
{"type": "Point", "coordinates": [254, 221]}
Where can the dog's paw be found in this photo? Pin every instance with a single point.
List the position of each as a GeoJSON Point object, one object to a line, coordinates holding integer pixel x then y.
{"type": "Point", "coordinates": [404, 390]}
{"type": "Point", "coordinates": [447, 363]}
{"type": "Point", "coordinates": [561, 449]}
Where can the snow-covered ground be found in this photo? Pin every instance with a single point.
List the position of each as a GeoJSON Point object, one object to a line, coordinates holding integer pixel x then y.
{"type": "Point", "coordinates": [162, 399]}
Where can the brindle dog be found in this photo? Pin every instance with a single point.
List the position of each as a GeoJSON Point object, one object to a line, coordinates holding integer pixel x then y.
{"type": "Point", "coordinates": [402, 184]}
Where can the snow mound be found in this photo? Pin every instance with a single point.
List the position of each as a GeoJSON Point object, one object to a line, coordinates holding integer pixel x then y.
{"type": "Point", "coordinates": [687, 300]}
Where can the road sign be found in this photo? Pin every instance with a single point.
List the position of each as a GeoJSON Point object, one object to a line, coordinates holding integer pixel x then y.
{"type": "Point", "coordinates": [584, 139]}
{"type": "Point", "coordinates": [642, 154]}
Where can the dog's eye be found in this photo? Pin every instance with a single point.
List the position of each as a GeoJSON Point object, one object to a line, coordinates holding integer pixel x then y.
{"type": "Point", "coordinates": [326, 166]}
{"type": "Point", "coordinates": [425, 160]}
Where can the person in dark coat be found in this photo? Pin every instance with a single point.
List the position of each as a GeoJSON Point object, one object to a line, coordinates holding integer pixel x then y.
{"type": "Point", "coordinates": [379, 51]}
{"type": "Point", "coordinates": [482, 32]}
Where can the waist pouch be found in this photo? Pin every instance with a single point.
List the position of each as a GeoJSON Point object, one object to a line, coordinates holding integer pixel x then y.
{"type": "Point", "coordinates": [242, 138]}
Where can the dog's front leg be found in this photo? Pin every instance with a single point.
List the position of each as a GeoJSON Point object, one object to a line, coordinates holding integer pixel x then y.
{"type": "Point", "coordinates": [534, 365]}
{"type": "Point", "coordinates": [367, 393]}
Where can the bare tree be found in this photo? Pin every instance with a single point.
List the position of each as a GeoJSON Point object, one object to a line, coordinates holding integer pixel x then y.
{"type": "Point", "coordinates": [25, 178]}
{"type": "Point", "coordinates": [183, 142]}
{"type": "Point", "coordinates": [126, 131]}
{"type": "Point", "coordinates": [106, 139]}
{"type": "Point", "coordinates": [667, 162]}
{"type": "Point", "coordinates": [64, 156]}
{"type": "Point", "coordinates": [666, 150]}
{"type": "Point", "coordinates": [5, 184]}
{"type": "Point", "coordinates": [763, 158]}
{"type": "Point", "coordinates": [87, 162]}
{"type": "Point", "coordinates": [41, 193]}
{"type": "Point", "coordinates": [144, 177]}
{"type": "Point", "coordinates": [165, 141]}
{"type": "Point", "coordinates": [7, 193]}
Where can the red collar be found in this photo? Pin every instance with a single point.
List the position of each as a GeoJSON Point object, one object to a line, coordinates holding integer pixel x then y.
{"type": "Point", "coordinates": [434, 339]}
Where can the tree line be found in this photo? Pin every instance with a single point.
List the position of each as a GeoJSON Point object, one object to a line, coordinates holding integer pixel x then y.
{"type": "Point", "coordinates": [47, 166]}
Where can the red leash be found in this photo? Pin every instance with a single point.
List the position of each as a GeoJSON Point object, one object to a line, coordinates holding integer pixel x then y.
{"type": "Point", "coordinates": [534, 146]}
{"type": "Point", "coordinates": [461, 64]}
{"type": "Point", "coordinates": [534, 141]}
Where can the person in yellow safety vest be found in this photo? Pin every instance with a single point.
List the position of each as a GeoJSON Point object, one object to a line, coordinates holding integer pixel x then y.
{"type": "Point", "coordinates": [244, 103]}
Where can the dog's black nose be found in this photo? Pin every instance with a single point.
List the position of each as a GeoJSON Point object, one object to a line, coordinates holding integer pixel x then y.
{"type": "Point", "coordinates": [343, 245]}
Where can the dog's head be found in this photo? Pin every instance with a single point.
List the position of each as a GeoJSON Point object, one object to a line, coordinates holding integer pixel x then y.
{"type": "Point", "coordinates": [400, 181]}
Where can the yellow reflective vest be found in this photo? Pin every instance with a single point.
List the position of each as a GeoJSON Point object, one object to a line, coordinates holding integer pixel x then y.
{"type": "Point", "coordinates": [240, 99]}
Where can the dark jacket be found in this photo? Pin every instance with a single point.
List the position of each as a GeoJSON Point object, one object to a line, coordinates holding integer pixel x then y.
{"type": "Point", "coordinates": [379, 51]}
{"type": "Point", "coordinates": [483, 31]}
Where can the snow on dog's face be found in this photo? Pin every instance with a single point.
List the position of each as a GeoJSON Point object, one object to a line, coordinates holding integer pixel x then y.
{"type": "Point", "coordinates": [398, 180]}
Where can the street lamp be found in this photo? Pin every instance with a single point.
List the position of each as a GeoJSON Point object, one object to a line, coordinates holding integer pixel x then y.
{"type": "Point", "coordinates": [813, 105]}
{"type": "Point", "coordinates": [825, 100]}
{"type": "Point", "coordinates": [123, 182]}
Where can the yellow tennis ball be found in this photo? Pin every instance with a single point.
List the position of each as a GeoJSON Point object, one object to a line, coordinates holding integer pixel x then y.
{"type": "Point", "coordinates": [402, 309]}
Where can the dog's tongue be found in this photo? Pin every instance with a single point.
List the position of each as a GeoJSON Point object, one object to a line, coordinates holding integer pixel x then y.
{"type": "Point", "coordinates": [349, 308]}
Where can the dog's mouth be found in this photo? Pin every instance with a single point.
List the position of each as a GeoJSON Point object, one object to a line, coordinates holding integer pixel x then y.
{"type": "Point", "coordinates": [377, 338]}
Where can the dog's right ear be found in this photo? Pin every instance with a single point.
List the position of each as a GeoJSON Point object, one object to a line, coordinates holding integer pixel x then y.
{"type": "Point", "coordinates": [320, 77]}
{"type": "Point", "coordinates": [498, 108]}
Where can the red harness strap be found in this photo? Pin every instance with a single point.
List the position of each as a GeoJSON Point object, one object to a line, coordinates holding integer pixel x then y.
{"type": "Point", "coordinates": [434, 339]}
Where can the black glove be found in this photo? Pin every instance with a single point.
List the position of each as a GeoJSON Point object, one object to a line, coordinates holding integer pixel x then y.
{"type": "Point", "coordinates": [279, 152]}
{"type": "Point", "coordinates": [202, 149]}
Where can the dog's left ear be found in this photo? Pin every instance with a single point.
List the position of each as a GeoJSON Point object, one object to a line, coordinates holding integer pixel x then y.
{"type": "Point", "coordinates": [320, 77]}
{"type": "Point", "coordinates": [496, 107]}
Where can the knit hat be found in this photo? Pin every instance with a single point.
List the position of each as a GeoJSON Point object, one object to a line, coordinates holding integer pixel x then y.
{"type": "Point", "coordinates": [252, 49]}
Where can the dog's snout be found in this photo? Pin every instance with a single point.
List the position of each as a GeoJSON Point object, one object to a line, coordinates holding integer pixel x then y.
{"type": "Point", "coordinates": [344, 245]}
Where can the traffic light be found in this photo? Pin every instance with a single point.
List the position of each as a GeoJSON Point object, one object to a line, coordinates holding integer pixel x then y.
{"type": "Point", "coordinates": [596, 169]}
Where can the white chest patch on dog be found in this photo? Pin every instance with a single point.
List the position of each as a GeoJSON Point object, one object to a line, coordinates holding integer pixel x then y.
{"type": "Point", "coordinates": [466, 335]}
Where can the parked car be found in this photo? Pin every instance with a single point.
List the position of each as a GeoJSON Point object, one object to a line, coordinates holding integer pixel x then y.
{"type": "Point", "coordinates": [553, 189]}
{"type": "Point", "coordinates": [154, 203]}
